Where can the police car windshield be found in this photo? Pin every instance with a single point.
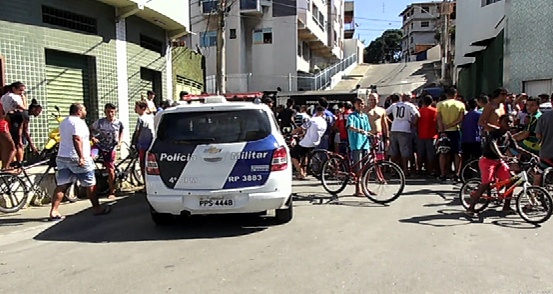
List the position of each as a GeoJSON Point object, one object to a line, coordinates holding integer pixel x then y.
{"type": "Point", "coordinates": [214, 126]}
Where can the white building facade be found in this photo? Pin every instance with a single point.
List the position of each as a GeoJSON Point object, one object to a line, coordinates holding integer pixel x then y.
{"type": "Point", "coordinates": [419, 28]}
{"type": "Point", "coordinates": [270, 45]}
{"type": "Point", "coordinates": [497, 46]}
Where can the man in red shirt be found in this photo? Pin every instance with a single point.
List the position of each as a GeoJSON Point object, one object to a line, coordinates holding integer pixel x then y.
{"type": "Point", "coordinates": [340, 127]}
{"type": "Point", "coordinates": [427, 131]}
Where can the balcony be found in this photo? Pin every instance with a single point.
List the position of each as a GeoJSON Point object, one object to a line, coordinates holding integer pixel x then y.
{"type": "Point", "coordinates": [171, 15]}
{"type": "Point", "coordinates": [349, 30]}
{"type": "Point", "coordinates": [252, 7]}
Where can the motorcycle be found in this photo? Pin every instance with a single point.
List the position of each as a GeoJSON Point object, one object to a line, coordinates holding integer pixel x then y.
{"type": "Point", "coordinates": [53, 143]}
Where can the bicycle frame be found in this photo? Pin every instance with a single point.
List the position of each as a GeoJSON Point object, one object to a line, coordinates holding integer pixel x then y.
{"type": "Point", "coordinates": [369, 158]}
{"type": "Point", "coordinates": [518, 180]}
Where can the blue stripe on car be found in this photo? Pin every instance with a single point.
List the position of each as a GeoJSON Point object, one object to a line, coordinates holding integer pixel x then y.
{"type": "Point", "coordinates": [251, 172]}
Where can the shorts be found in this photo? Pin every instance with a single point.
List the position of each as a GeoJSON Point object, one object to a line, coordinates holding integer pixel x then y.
{"type": "Point", "coordinates": [380, 148]}
{"type": "Point", "coordinates": [299, 152]}
{"type": "Point", "coordinates": [471, 150]}
{"type": "Point", "coordinates": [324, 142]}
{"type": "Point", "coordinates": [142, 158]}
{"type": "Point", "coordinates": [69, 172]}
{"type": "Point", "coordinates": [544, 164]}
{"type": "Point", "coordinates": [4, 126]}
{"type": "Point", "coordinates": [455, 140]}
{"type": "Point", "coordinates": [14, 131]}
{"type": "Point", "coordinates": [108, 158]}
{"type": "Point", "coordinates": [337, 138]}
{"type": "Point", "coordinates": [401, 144]}
{"type": "Point", "coordinates": [492, 169]}
{"type": "Point", "coordinates": [357, 156]}
{"type": "Point", "coordinates": [426, 149]}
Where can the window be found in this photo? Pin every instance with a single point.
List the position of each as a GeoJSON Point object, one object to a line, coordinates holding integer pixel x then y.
{"type": "Point", "coordinates": [335, 38]}
{"type": "Point", "coordinates": [69, 20]}
{"type": "Point", "coordinates": [412, 26]}
{"type": "Point", "coordinates": [425, 24]}
{"type": "Point", "coordinates": [425, 9]}
{"type": "Point", "coordinates": [412, 40]}
{"type": "Point", "coordinates": [209, 6]}
{"type": "Point", "coordinates": [215, 127]}
{"type": "Point", "coordinates": [264, 36]}
{"type": "Point", "coordinates": [151, 44]}
{"type": "Point", "coordinates": [488, 2]}
{"type": "Point", "coordinates": [308, 5]}
{"type": "Point", "coordinates": [321, 20]}
{"type": "Point", "coordinates": [208, 39]}
{"type": "Point", "coordinates": [232, 33]}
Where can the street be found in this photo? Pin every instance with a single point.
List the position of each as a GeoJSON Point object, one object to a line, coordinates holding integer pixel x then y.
{"type": "Point", "coordinates": [421, 243]}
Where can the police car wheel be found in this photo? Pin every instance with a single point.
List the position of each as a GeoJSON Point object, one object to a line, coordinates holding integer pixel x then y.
{"type": "Point", "coordinates": [161, 219]}
{"type": "Point", "coordinates": [285, 215]}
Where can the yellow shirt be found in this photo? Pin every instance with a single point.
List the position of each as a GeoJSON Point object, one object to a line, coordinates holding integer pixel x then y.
{"type": "Point", "coordinates": [449, 110]}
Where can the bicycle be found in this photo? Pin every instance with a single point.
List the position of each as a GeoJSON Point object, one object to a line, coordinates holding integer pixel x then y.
{"type": "Point", "coordinates": [341, 169]}
{"type": "Point", "coordinates": [535, 203]}
{"type": "Point", "coordinates": [15, 188]}
{"type": "Point", "coordinates": [313, 161]}
{"type": "Point", "coordinates": [471, 170]}
{"type": "Point", "coordinates": [126, 170]}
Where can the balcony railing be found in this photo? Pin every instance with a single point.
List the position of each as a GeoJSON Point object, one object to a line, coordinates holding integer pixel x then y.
{"type": "Point", "coordinates": [323, 79]}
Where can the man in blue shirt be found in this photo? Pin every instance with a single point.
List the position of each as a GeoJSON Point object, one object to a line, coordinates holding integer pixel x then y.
{"type": "Point", "coordinates": [358, 126]}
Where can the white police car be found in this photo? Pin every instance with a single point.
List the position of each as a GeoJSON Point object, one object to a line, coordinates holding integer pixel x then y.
{"type": "Point", "coordinates": [218, 157]}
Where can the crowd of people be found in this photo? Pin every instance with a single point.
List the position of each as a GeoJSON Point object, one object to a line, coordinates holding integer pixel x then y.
{"type": "Point", "coordinates": [79, 143]}
{"type": "Point", "coordinates": [430, 136]}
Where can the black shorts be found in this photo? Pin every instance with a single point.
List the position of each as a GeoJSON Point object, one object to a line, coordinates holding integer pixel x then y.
{"type": "Point", "coordinates": [299, 151]}
{"type": "Point", "coordinates": [455, 140]}
{"type": "Point", "coordinates": [471, 150]}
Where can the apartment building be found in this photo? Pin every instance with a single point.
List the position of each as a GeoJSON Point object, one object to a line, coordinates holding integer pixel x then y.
{"type": "Point", "coordinates": [91, 51]}
{"type": "Point", "coordinates": [504, 43]}
{"type": "Point", "coordinates": [420, 22]}
{"type": "Point", "coordinates": [270, 45]}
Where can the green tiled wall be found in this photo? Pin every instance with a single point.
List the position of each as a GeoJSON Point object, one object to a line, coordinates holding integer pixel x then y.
{"type": "Point", "coordinates": [187, 63]}
{"type": "Point", "coordinates": [530, 26]}
{"type": "Point", "coordinates": [23, 48]}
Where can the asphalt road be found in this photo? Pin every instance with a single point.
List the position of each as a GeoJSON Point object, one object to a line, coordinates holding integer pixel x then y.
{"type": "Point", "coordinates": [419, 244]}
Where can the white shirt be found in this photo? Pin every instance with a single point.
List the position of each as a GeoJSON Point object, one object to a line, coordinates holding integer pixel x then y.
{"type": "Point", "coordinates": [69, 127]}
{"type": "Point", "coordinates": [403, 113]}
{"type": "Point", "coordinates": [316, 127]}
{"type": "Point", "coordinates": [544, 107]}
{"type": "Point", "coordinates": [10, 102]}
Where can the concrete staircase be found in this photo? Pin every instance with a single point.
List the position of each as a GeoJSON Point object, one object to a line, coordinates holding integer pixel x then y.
{"type": "Point", "coordinates": [355, 77]}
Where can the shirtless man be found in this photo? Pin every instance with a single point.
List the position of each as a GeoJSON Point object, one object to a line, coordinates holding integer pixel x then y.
{"type": "Point", "coordinates": [377, 114]}
{"type": "Point", "coordinates": [493, 111]}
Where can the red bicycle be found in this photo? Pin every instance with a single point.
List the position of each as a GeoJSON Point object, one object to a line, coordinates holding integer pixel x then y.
{"type": "Point", "coordinates": [382, 181]}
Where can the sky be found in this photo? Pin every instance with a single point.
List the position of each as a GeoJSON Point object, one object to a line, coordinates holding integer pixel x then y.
{"type": "Point", "coordinates": [373, 17]}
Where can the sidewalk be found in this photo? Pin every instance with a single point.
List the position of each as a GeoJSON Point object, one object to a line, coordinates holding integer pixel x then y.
{"type": "Point", "coordinates": [32, 217]}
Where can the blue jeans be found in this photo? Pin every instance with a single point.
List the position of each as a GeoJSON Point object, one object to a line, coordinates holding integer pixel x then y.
{"type": "Point", "coordinates": [69, 172]}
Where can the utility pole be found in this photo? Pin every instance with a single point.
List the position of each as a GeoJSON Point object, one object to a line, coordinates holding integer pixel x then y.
{"type": "Point", "coordinates": [445, 38]}
{"type": "Point", "coordinates": [221, 54]}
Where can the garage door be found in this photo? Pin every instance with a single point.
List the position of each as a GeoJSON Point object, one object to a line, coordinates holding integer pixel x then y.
{"type": "Point", "coordinates": [147, 78]}
{"type": "Point", "coordinates": [67, 82]}
{"type": "Point", "coordinates": [537, 87]}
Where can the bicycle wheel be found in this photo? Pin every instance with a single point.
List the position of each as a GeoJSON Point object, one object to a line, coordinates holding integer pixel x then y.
{"type": "Point", "coordinates": [137, 178]}
{"type": "Point", "coordinates": [335, 175]}
{"type": "Point", "coordinates": [535, 206]}
{"type": "Point", "coordinates": [13, 193]}
{"type": "Point", "coordinates": [316, 162]}
{"type": "Point", "coordinates": [465, 192]}
{"type": "Point", "coordinates": [102, 183]}
{"type": "Point", "coordinates": [547, 180]}
{"type": "Point", "coordinates": [72, 194]}
{"type": "Point", "coordinates": [470, 171]}
{"type": "Point", "coordinates": [383, 182]}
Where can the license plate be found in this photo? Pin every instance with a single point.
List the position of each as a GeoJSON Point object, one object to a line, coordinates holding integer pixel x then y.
{"type": "Point", "coordinates": [216, 202]}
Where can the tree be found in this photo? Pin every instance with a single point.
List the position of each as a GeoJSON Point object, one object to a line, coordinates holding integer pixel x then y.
{"type": "Point", "coordinates": [386, 48]}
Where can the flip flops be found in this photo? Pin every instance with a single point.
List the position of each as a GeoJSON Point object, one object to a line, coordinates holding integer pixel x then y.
{"type": "Point", "coordinates": [56, 218]}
